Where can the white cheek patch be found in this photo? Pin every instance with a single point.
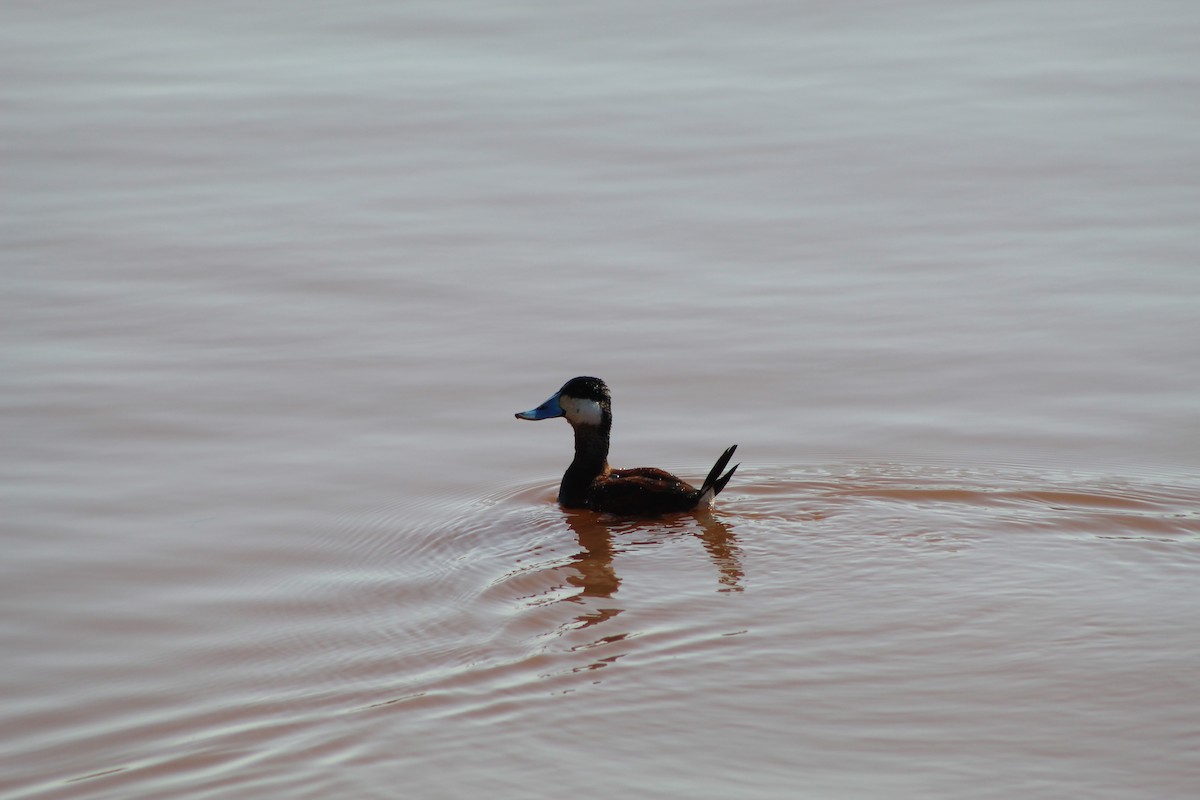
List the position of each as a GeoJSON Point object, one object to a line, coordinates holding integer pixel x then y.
{"type": "Point", "coordinates": [582, 412]}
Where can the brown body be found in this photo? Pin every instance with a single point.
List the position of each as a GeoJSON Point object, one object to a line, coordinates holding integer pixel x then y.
{"type": "Point", "coordinates": [641, 490]}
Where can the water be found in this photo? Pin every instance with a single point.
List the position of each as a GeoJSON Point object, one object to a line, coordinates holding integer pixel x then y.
{"type": "Point", "coordinates": [277, 279]}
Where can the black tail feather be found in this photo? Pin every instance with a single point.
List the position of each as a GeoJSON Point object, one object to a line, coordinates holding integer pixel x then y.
{"type": "Point", "coordinates": [715, 480]}
{"type": "Point", "coordinates": [719, 485]}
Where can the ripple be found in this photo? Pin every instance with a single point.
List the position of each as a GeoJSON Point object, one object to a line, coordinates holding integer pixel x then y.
{"type": "Point", "coordinates": [970, 497]}
{"type": "Point", "coordinates": [503, 598]}
{"type": "Point", "coordinates": [484, 609]}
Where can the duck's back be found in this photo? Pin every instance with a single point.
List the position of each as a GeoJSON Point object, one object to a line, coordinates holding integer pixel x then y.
{"type": "Point", "coordinates": [642, 490]}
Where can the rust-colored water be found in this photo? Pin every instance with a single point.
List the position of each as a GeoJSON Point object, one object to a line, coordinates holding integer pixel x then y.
{"type": "Point", "coordinates": [277, 278]}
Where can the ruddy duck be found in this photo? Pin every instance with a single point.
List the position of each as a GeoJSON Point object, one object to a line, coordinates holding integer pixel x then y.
{"type": "Point", "coordinates": [591, 483]}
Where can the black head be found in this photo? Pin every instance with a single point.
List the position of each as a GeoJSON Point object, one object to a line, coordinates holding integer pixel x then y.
{"type": "Point", "coordinates": [585, 388]}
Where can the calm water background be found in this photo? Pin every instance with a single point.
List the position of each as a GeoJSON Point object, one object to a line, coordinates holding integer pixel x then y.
{"type": "Point", "coordinates": [276, 279]}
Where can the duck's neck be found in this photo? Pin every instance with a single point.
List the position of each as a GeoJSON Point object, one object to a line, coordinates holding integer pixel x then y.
{"type": "Point", "coordinates": [591, 461]}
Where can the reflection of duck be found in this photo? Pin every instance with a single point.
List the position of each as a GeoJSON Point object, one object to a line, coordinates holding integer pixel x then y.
{"type": "Point", "coordinates": [591, 483]}
{"type": "Point", "coordinates": [594, 561]}
{"type": "Point", "coordinates": [597, 580]}
{"type": "Point", "coordinates": [723, 549]}
{"type": "Point", "coordinates": [597, 576]}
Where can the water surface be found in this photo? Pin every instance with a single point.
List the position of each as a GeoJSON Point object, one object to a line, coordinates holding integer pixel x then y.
{"type": "Point", "coordinates": [277, 279]}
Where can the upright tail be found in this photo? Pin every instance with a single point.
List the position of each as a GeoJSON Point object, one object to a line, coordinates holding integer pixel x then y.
{"type": "Point", "coordinates": [715, 481]}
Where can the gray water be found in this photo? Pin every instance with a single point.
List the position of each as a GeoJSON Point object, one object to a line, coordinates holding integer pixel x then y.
{"type": "Point", "coordinates": [277, 278]}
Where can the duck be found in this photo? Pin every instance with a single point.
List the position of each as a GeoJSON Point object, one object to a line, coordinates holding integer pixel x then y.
{"type": "Point", "coordinates": [591, 483]}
